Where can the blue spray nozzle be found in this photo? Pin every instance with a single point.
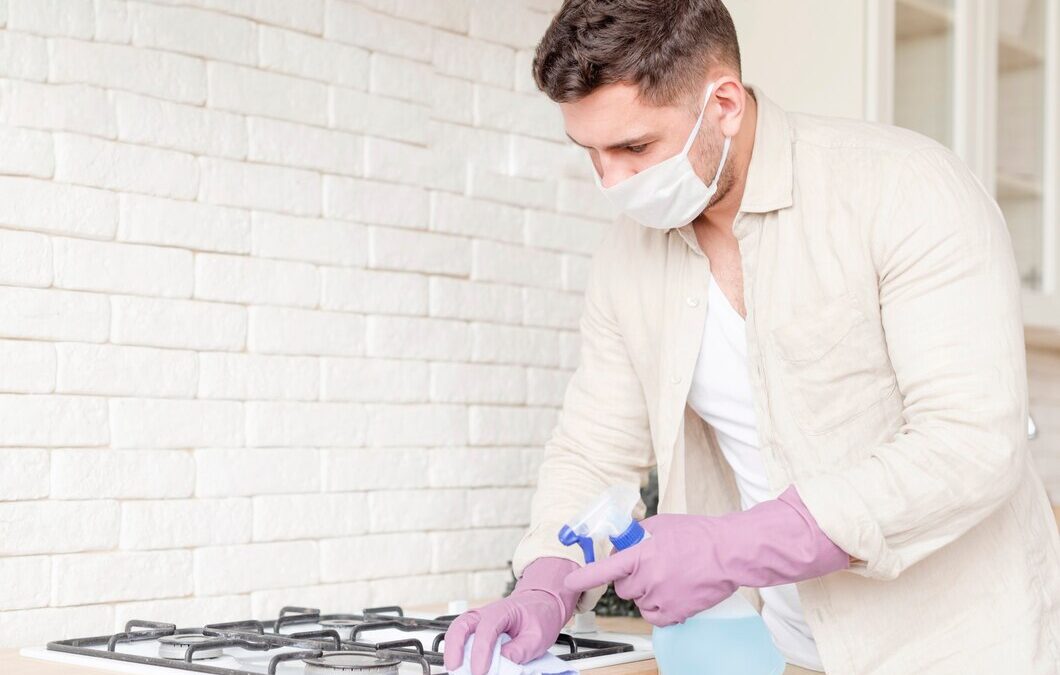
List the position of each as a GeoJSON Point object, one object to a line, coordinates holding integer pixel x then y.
{"type": "Point", "coordinates": [633, 535]}
{"type": "Point", "coordinates": [569, 537]}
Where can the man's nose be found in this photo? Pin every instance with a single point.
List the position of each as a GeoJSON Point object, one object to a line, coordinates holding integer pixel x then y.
{"type": "Point", "coordinates": [613, 173]}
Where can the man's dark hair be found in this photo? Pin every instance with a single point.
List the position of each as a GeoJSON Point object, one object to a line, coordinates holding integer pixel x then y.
{"type": "Point", "coordinates": [663, 46]}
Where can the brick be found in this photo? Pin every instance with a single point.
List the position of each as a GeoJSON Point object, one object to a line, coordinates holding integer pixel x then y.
{"type": "Point", "coordinates": [27, 582]}
{"type": "Point", "coordinates": [492, 261]}
{"type": "Point", "coordinates": [178, 523]}
{"type": "Point", "coordinates": [524, 72]}
{"type": "Point", "coordinates": [556, 309]}
{"type": "Point", "coordinates": [369, 468]}
{"type": "Point", "coordinates": [49, 421]}
{"type": "Point", "coordinates": [426, 424]}
{"type": "Point", "coordinates": [182, 324]}
{"type": "Point", "coordinates": [302, 15]}
{"type": "Point", "coordinates": [3, 12]}
{"type": "Point", "coordinates": [113, 370]}
{"type": "Point", "coordinates": [309, 239]}
{"type": "Point", "coordinates": [367, 291]}
{"type": "Point", "coordinates": [477, 383]}
{"type": "Point", "coordinates": [112, 21]}
{"type": "Point", "coordinates": [260, 186]}
{"type": "Point", "coordinates": [74, 18]}
{"type": "Point", "coordinates": [169, 423]}
{"type": "Point", "coordinates": [576, 270]}
{"type": "Point", "coordinates": [516, 26]}
{"type": "Point", "coordinates": [61, 107]}
{"type": "Point", "coordinates": [173, 77]}
{"type": "Point", "coordinates": [252, 376]}
{"type": "Point", "coordinates": [490, 150]}
{"type": "Point", "coordinates": [456, 214]}
{"type": "Point", "coordinates": [236, 473]}
{"type": "Point", "coordinates": [372, 556]}
{"type": "Point", "coordinates": [503, 425]}
{"type": "Point", "coordinates": [27, 367]}
{"type": "Point", "coordinates": [374, 380]}
{"type": "Point", "coordinates": [492, 343]}
{"type": "Point", "coordinates": [349, 23]}
{"type": "Point", "coordinates": [23, 475]}
{"type": "Point", "coordinates": [514, 112]}
{"type": "Point", "coordinates": [541, 159]}
{"type": "Point", "coordinates": [271, 424]}
{"type": "Point", "coordinates": [328, 598]}
{"type": "Point", "coordinates": [129, 575]}
{"type": "Point", "coordinates": [412, 164]}
{"type": "Point", "coordinates": [248, 567]}
{"type": "Point", "coordinates": [255, 281]}
{"type": "Point", "coordinates": [471, 59]}
{"type": "Point", "coordinates": [211, 35]}
{"type": "Point", "coordinates": [150, 121]}
{"type": "Point", "coordinates": [83, 473]}
{"type": "Point", "coordinates": [131, 168]}
{"type": "Point", "coordinates": [168, 222]}
{"type": "Point", "coordinates": [583, 198]}
{"type": "Point", "coordinates": [300, 145]}
{"type": "Point", "coordinates": [500, 507]}
{"type": "Point", "coordinates": [23, 56]}
{"type": "Point", "coordinates": [418, 338]}
{"type": "Point", "coordinates": [86, 265]}
{"type": "Point", "coordinates": [396, 249]}
{"type": "Point", "coordinates": [452, 100]}
{"type": "Point", "coordinates": [47, 314]}
{"type": "Point", "coordinates": [276, 330]}
{"type": "Point", "coordinates": [37, 626]}
{"type": "Point", "coordinates": [257, 92]}
{"type": "Point", "coordinates": [400, 78]}
{"type": "Point", "coordinates": [473, 549]}
{"type": "Point", "coordinates": [377, 116]}
{"type": "Point", "coordinates": [432, 589]}
{"type": "Point", "coordinates": [569, 349]}
{"type": "Point", "coordinates": [26, 152]}
{"type": "Point", "coordinates": [374, 202]}
{"type": "Point", "coordinates": [474, 300]}
{"type": "Point", "coordinates": [45, 206]}
{"type": "Point", "coordinates": [478, 467]}
{"type": "Point", "coordinates": [563, 233]}
{"type": "Point", "coordinates": [546, 386]}
{"type": "Point", "coordinates": [419, 510]}
{"type": "Point", "coordinates": [451, 15]}
{"type": "Point", "coordinates": [86, 526]}
{"type": "Point", "coordinates": [286, 517]}
{"type": "Point", "coordinates": [312, 58]}
{"type": "Point", "coordinates": [25, 258]}
{"type": "Point", "coordinates": [488, 583]}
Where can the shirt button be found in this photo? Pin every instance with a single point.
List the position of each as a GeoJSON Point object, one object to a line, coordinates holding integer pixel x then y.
{"type": "Point", "coordinates": [676, 379]}
{"type": "Point", "coordinates": [692, 301]}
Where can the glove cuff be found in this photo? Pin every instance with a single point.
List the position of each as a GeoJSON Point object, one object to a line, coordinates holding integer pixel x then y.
{"type": "Point", "coordinates": [547, 574]}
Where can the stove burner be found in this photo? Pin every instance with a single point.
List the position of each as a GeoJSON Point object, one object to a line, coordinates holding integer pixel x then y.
{"type": "Point", "coordinates": [351, 662]}
{"type": "Point", "coordinates": [343, 626]}
{"type": "Point", "coordinates": [175, 646]}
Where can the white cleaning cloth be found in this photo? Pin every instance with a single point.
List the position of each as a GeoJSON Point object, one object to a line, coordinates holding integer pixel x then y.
{"type": "Point", "coordinates": [548, 664]}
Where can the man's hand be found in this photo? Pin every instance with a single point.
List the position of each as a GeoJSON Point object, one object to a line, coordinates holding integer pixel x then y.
{"type": "Point", "coordinates": [691, 563]}
{"type": "Point", "coordinates": [532, 616]}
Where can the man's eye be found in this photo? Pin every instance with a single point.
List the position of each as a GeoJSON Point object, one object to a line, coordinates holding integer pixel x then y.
{"type": "Point", "coordinates": [636, 149]}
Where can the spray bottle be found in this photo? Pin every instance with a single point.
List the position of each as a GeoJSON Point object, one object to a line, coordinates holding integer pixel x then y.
{"type": "Point", "coordinates": [728, 638]}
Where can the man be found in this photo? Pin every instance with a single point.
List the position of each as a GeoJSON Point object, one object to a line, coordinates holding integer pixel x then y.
{"type": "Point", "coordinates": [812, 326]}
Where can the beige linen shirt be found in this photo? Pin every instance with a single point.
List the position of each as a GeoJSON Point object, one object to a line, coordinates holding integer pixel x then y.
{"type": "Point", "coordinates": [885, 341]}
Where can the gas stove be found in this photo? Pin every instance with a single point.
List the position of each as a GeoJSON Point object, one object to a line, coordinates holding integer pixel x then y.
{"type": "Point", "coordinates": [378, 640]}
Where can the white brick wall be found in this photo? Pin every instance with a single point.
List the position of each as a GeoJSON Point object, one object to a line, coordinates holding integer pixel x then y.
{"type": "Point", "coordinates": [289, 297]}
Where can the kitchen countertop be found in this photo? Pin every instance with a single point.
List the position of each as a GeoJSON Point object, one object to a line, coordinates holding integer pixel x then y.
{"type": "Point", "coordinates": [11, 663]}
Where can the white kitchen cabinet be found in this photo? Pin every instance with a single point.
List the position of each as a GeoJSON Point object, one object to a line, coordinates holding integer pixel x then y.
{"type": "Point", "coordinates": [983, 77]}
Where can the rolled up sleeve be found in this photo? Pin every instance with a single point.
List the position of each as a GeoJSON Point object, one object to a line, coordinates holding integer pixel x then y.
{"type": "Point", "coordinates": [950, 302]}
{"type": "Point", "coordinates": [602, 436]}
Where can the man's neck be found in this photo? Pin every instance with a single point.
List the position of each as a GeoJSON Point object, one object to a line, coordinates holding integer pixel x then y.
{"type": "Point", "coordinates": [722, 213]}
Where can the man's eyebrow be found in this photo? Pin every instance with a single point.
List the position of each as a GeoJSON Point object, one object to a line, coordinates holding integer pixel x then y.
{"type": "Point", "coordinates": [617, 146]}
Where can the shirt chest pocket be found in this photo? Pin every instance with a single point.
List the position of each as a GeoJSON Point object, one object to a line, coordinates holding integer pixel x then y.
{"type": "Point", "coordinates": [833, 364]}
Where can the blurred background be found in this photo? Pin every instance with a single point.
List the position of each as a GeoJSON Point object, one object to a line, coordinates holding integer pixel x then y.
{"type": "Point", "coordinates": [290, 289]}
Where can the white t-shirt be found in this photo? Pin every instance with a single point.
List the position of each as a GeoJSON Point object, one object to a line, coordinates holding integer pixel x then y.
{"type": "Point", "coordinates": [721, 394]}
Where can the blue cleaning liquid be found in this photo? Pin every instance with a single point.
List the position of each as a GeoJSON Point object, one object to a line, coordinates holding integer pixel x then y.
{"type": "Point", "coordinates": [707, 645]}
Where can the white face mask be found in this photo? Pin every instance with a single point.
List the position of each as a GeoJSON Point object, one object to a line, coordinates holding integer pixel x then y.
{"type": "Point", "coordinates": [668, 194]}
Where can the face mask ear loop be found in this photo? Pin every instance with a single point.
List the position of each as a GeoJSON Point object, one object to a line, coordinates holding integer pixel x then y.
{"type": "Point", "coordinates": [695, 129]}
{"type": "Point", "coordinates": [724, 154]}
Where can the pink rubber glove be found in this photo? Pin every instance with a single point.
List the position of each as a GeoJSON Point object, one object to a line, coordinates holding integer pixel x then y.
{"type": "Point", "coordinates": [691, 563]}
{"type": "Point", "coordinates": [532, 615]}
